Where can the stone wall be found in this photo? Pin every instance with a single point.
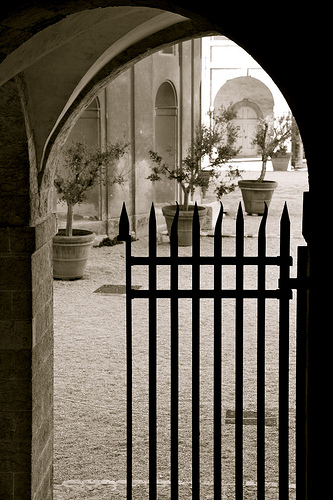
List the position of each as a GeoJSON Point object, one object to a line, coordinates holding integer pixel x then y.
{"type": "Point", "coordinates": [26, 320]}
{"type": "Point", "coordinates": [42, 360]}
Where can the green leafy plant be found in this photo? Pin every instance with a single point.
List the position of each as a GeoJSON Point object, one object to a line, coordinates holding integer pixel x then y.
{"type": "Point", "coordinates": [270, 137]}
{"type": "Point", "coordinates": [83, 168]}
{"type": "Point", "coordinates": [215, 142]}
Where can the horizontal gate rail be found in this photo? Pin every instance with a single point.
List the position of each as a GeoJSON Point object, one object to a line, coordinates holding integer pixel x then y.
{"type": "Point", "coordinates": [206, 294]}
{"type": "Point", "coordinates": [217, 293]}
{"type": "Point", "coordinates": [218, 260]}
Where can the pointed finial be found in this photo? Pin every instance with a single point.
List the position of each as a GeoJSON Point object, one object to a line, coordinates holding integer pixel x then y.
{"type": "Point", "coordinates": [220, 216]}
{"type": "Point", "coordinates": [174, 229]}
{"type": "Point", "coordinates": [285, 212]}
{"type": "Point", "coordinates": [152, 216]}
{"type": "Point", "coordinates": [264, 218]}
{"type": "Point", "coordinates": [239, 229]}
{"type": "Point", "coordinates": [218, 223]}
{"type": "Point", "coordinates": [195, 214]}
{"type": "Point", "coordinates": [262, 233]}
{"type": "Point", "coordinates": [285, 227]}
{"type": "Point", "coordinates": [152, 208]}
{"type": "Point", "coordinates": [152, 220]}
{"type": "Point", "coordinates": [123, 225]}
{"type": "Point", "coordinates": [240, 211]}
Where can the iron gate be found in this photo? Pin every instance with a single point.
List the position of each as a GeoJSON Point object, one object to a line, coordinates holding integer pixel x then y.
{"type": "Point", "coordinates": [282, 293]}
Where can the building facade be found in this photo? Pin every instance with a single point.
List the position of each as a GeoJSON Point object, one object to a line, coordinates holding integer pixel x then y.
{"type": "Point", "coordinates": [231, 76]}
{"type": "Point", "coordinates": [153, 105]}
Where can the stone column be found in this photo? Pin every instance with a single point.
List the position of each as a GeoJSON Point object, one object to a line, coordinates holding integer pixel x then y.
{"type": "Point", "coordinates": [26, 322]}
{"type": "Point", "coordinates": [296, 146]}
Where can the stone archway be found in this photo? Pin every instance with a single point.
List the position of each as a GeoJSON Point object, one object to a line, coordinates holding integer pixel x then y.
{"type": "Point", "coordinates": [251, 99]}
{"type": "Point", "coordinates": [246, 88]}
{"type": "Point", "coordinates": [249, 104]}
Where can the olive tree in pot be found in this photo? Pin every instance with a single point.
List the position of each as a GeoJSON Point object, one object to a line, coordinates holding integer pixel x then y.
{"type": "Point", "coordinates": [215, 142]}
{"type": "Point", "coordinates": [83, 168]}
{"type": "Point", "coordinates": [270, 136]}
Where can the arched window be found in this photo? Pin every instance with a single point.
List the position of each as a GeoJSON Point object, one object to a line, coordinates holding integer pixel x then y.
{"type": "Point", "coordinates": [86, 130]}
{"type": "Point", "coordinates": [166, 137]}
{"type": "Point", "coordinates": [88, 127]}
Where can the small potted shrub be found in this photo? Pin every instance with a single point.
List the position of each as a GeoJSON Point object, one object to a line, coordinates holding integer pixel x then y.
{"type": "Point", "coordinates": [217, 143]}
{"type": "Point", "coordinates": [280, 159]}
{"type": "Point", "coordinates": [270, 136]}
{"type": "Point", "coordinates": [83, 168]}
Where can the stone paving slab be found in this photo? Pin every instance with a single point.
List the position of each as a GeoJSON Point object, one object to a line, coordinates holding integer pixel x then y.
{"type": "Point", "coordinates": [107, 489]}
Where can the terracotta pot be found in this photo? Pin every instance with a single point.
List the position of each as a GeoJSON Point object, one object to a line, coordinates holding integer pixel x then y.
{"type": "Point", "coordinates": [281, 163]}
{"type": "Point", "coordinates": [206, 175]}
{"type": "Point", "coordinates": [255, 194]}
{"type": "Point", "coordinates": [185, 221]}
{"type": "Point", "coordinates": [70, 253]}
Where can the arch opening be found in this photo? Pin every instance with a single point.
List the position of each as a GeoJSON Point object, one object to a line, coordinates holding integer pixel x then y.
{"type": "Point", "coordinates": [166, 138]}
{"type": "Point", "coordinates": [166, 116]}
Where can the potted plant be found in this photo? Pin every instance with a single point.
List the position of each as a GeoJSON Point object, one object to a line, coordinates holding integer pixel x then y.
{"type": "Point", "coordinates": [270, 135]}
{"type": "Point", "coordinates": [280, 159]}
{"type": "Point", "coordinates": [83, 167]}
{"type": "Point", "coordinates": [215, 143]}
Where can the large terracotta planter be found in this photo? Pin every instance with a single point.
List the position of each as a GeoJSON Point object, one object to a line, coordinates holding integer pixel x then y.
{"type": "Point", "coordinates": [281, 163]}
{"type": "Point", "coordinates": [70, 253]}
{"type": "Point", "coordinates": [185, 221]}
{"type": "Point", "coordinates": [255, 194]}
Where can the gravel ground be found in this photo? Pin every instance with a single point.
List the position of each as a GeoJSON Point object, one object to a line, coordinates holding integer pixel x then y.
{"type": "Point", "coordinates": [90, 393]}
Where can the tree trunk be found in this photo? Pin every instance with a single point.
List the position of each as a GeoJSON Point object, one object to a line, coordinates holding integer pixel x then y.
{"type": "Point", "coordinates": [263, 171]}
{"type": "Point", "coordinates": [69, 223]}
{"type": "Point", "coordinates": [186, 198]}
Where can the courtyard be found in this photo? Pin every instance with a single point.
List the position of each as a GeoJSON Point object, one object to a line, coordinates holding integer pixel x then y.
{"type": "Point", "coordinates": [90, 368]}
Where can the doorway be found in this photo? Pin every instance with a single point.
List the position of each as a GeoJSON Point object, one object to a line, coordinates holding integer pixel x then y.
{"type": "Point", "coordinates": [246, 123]}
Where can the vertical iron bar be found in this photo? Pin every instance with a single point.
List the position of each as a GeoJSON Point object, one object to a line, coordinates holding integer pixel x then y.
{"type": "Point", "coordinates": [129, 367]}
{"type": "Point", "coordinates": [152, 358]}
{"type": "Point", "coordinates": [301, 350]}
{"type": "Point", "coordinates": [196, 355]}
{"type": "Point", "coordinates": [217, 356]}
{"type": "Point", "coordinates": [261, 313]}
{"type": "Point", "coordinates": [284, 356]}
{"type": "Point", "coordinates": [174, 355]}
{"type": "Point", "coordinates": [239, 352]}
{"type": "Point", "coordinates": [125, 236]}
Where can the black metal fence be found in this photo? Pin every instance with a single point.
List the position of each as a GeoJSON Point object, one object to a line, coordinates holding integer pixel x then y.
{"type": "Point", "coordinates": [282, 293]}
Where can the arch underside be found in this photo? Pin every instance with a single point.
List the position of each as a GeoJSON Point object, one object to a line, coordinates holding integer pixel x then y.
{"type": "Point", "coordinates": [81, 55]}
{"type": "Point", "coordinates": [68, 53]}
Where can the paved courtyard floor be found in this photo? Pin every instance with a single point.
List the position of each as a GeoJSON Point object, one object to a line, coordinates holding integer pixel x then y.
{"type": "Point", "coordinates": [90, 369]}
